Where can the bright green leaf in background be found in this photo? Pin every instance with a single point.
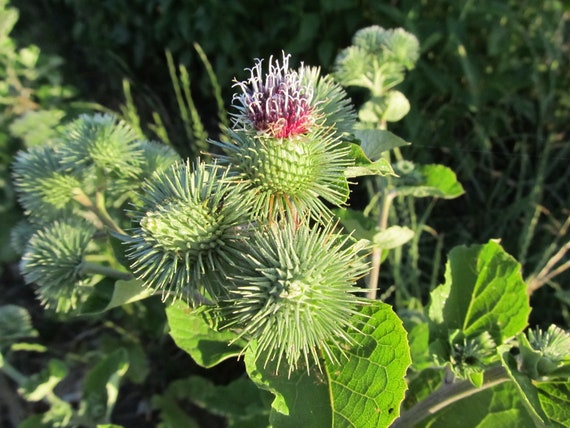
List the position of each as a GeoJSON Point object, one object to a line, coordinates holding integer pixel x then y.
{"type": "Point", "coordinates": [364, 166]}
{"type": "Point", "coordinates": [423, 181]}
{"type": "Point", "coordinates": [192, 333]}
{"type": "Point", "coordinates": [368, 388]}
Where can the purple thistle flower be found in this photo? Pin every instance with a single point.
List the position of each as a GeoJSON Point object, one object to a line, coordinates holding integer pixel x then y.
{"type": "Point", "coordinates": [279, 105]}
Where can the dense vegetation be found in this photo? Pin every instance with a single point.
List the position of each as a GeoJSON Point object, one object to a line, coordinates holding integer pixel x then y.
{"type": "Point", "coordinates": [489, 98]}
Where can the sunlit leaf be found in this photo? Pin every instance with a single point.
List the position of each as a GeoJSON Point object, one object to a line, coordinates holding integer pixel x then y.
{"type": "Point", "coordinates": [368, 388]}
{"type": "Point", "coordinates": [483, 292]}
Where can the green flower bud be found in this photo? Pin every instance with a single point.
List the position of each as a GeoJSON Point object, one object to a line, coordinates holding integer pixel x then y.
{"type": "Point", "coordinates": [188, 230]}
{"type": "Point", "coordinates": [102, 143]}
{"type": "Point", "coordinates": [290, 176]}
{"type": "Point", "coordinates": [44, 190]}
{"type": "Point", "coordinates": [54, 259]}
{"type": "Point", "coordinates": [294, 293]}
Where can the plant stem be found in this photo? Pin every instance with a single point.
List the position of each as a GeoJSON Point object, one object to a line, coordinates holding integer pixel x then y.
{"type": "Point", "coordinates": [449, 394]}
{"type": "Point", "coordinates": [94, 268]}
{"type": "Point", "coordinates": [374, 276]}
{"type": "Point", "coordinates": [98, 208]}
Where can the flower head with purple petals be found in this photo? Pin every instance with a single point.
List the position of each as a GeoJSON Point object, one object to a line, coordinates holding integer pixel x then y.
{"type": "Point", "coordinates": [278, 104]}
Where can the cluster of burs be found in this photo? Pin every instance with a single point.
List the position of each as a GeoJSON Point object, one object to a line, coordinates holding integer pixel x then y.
{"type": "Point", "coordinates": [246, 233]}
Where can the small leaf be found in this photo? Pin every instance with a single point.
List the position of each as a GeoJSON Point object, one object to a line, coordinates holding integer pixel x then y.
{"type": "Point", "coordinates": [301, 399]}
{"type": "Point", "coordinates": [364, 166]}
{"type": "Point", "coordinates": [194, 335]}
{"type": "Point", "coordinates": [101, 386]}
{"type": "Point", "coordinates": [108, 295]}
{"type": "Point", "coordinates": [376, 141]}
{"type": "Point", "coordinates": [431, 180]}
{"type": "Point", "coordinates": [42, 384]}
{"type": "Point", "coordinates": [368, 388]}
{"type": "Point", "coordinates": [356, 222]}
{"type": "Point", "coordinates": [397, 106]}
{"type": "Point", "coordinates": [392, 237]}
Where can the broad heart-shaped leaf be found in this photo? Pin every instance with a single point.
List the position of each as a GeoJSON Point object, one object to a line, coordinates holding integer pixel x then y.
{"type": "Point", "coordinates": [368, 388]}
{"type": "Point", "coordinates": [431, 181]}
{"type": "Point", "coordinates": [192, 333]}
{"type": "Point", "coordinates": [374, 142]}
{"type": "Point", "coordinates": [301, 399]}
{"type": "Point", "coordinates": [483, 292]}
{"type": "Point", "coordinates": [364, 166]}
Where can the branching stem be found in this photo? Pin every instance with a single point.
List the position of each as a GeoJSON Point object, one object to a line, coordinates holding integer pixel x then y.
{"type": "Point", "coordinates": [449, 394]}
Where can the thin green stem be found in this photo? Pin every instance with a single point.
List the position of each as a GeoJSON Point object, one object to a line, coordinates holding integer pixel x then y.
{"type": "Point", "coordinates": [97, 269]}
{"type": "Point", "coordinates": [11, 372]}
{"type": "Point", "coordinates": [376, 261]}
{"type": "Point", "coordinates": [447, 395]}
{"type": "Point", "coordinates": [98, 208]}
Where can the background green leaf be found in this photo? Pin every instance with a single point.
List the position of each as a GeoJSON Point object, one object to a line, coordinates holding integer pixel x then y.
{"type": "Point", "coordinates": [432, 180]}
{"type": "Point", "coordinates": [374, 142]}
{"type": "Point", "coordinates": [368, 388]}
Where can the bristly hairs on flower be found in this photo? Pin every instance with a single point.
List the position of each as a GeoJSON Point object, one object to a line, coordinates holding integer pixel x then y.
{"type": "Point", "coordinates": [283, 148]}
{"type": "Point", "coordinates": [294, 295]}
{"type": "Point", "coordinates": [188, 229]}
{"type": "Point", "coordinates": [277, 104]}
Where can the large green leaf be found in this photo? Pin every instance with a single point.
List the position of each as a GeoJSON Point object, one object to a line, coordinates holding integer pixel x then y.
{"type": "Point", "coordinates": [192, 333]}
{"type": "Point", "coordinates": [368, 388]}
{"type": "Point", "coordinates": [301, 398]}
{"type": "Point", "coordinates": [429, 181]}
{"type": "Point", "coordinates": [483, 292]}
{"type": "Point", "coordinates": [555, 400]}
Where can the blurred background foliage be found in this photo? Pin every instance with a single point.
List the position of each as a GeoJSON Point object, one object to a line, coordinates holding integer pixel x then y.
{"type": "Point", "coordinates": [490, 98]}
